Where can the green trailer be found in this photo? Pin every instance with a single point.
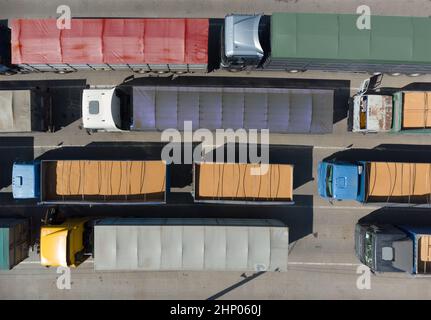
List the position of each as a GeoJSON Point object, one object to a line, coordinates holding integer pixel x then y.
{"type": "Point", "coordinates": [14, 242]}
{"type": "Point", "coordinates": [331, 42]}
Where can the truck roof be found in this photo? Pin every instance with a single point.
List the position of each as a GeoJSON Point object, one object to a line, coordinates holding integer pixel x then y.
{"type": "Point", "coordinates": [235, 181]}
{"type": "Point", "coordinates": [399, 182]}
{"type": "Point", "coordinates": [98, 109]}
{"type": "Point", "coordinates": [336, 37]}
{"type": "Point", "coordinates": [190, 244]}
{"type": "Point", "coordinates": [13, 242]}
{"type": "Point", "coordinates": [110, 41]}
{"type": "Point", "coordinates": [24, 182]}
{"type": "Point", "coordinates": [103, 181]}
{"type": "Point", "coordinates": [15, 110]}
{"type": "Point", "coordinates": [156, 108]}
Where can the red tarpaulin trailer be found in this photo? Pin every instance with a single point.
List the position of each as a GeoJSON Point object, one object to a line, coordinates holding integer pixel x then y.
{"type": "Point", "coordinates": [136, 44]}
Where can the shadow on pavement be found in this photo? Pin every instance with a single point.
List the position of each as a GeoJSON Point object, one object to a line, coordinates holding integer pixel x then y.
{"type": "Point", "coordinates": [386, 152]}
{"type": "Point", "coordinates": [399, 216]}
{"type": "Point", "coordinates": [13, 149]}
{"type": "Point", "coordinates": [301, 157]}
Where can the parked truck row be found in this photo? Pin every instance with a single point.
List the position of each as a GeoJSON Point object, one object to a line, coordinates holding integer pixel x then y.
{"type": "Point", "coordinates": [107, 182]}
{"type": "Point", "coordinates": [298, 109]}
{"type": "Point", "coordinates": [282, 41]}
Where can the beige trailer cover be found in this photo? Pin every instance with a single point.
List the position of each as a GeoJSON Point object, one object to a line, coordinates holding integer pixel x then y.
{"type": "Point", "coordinates": [235, 181]}
{"type": "Point", "coordinates": [107, 178]}
{"type": "Point", "coordinates": [397, 179]}
{"type": "Point", "coordinates": [191, 244]}
{"type": "Point", "coordinates": [15, 111]}
{"type": "Point", "coordinates": [417, 110]}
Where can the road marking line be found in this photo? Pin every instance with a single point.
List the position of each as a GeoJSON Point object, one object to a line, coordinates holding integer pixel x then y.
{"type": "Point", "coordinates": [324, 264]}
{"type": "Point", "coordinates": [296, 263]}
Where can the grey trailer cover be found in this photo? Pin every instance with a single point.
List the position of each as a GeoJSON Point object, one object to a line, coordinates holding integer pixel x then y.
{"type": "Point", "coordinates": [190, 244]}
{"type": "Point", "coordinates": [15, 111]}
{"type": "Point", "coordinates": [157, 108]}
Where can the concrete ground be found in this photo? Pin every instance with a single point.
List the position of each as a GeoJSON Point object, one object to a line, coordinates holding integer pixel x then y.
{"type": "Point", "coordinates": [321, 259]}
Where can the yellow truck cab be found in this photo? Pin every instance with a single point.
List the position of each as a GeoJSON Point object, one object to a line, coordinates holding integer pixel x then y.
{"type": "Point", "coordinates": [64, 244]}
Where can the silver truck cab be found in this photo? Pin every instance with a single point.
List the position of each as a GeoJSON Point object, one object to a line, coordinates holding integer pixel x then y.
{"type": "Point", "coordinates": [241, 46]}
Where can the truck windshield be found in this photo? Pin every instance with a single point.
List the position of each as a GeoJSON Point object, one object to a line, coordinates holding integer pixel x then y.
{"type": "Point", "coordinates": [368, 249]}
{"type": "Point", "coordinates": [329, 181]}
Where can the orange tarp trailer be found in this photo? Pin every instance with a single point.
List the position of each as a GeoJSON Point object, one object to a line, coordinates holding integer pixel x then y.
{"type": "Point", "coordinates": [234, 181]}
{"type": "Point", "coordinates": [397, 179]}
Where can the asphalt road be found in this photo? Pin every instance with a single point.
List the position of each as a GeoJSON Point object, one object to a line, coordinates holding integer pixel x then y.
{"type": "Point", "coordinates": [321, 259]}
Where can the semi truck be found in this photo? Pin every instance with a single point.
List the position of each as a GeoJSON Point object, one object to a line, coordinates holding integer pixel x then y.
{"type": "Point", "coordinates": [331, 42]}
{"type": "Point", "coordinates": [90, 182]}
{"type": "Point", "coordinates": [236, 183]}
{"type": "Point", "coordinates": [14, 241]}
{"type": "Point", "coordinates": [389, 110]}
{"type": "Point", "coordinates": [25, 110]}
{"type": "Point", "coordinates": [156, 108]}
{"type": "Point", "coordinates": [393, 248]}
{"type": "Point", "coordinates": [396, 183]}
{"type": "Point", "coordinates": [149, 244]}
{"type": "Point", "coordinates": [282, 41]}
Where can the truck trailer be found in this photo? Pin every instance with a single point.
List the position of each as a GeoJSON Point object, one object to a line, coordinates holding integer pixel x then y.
{"type": "Point", "coordinates": [145, 244]}
{"type": "Point", "coordinates": [14, 241]}
{"type": "Point", "coordinates": [25, 111]}
{"type": "Point", "coordinates": [390, 110]}
{"type": "Point", "coordinates": [156, 108]}
{"type": "Point", "coordinates": [292, 42]}
{"type": "Point", "coordinates": [376, 182]}
{"type": "Point", "coordinates": [235, 183]}
{"type": "Point", "coordinates": [331, 42]}
{"type": "Point", "coordinates": [91, 182]}
{"type": "Point", "coordinates": [139, 45]}
{"type": "Point", "coordinates": [393, 248]}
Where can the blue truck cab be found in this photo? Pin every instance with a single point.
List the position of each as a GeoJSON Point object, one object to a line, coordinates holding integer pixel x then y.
{"type": "Point", "coordinates": [341, 180]}
{"type": "Point", "coordinates": [26, 180]}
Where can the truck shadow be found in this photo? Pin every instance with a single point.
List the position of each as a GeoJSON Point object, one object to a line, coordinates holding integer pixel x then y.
{"type": "Point", "coordinates": [298, 217]}
{"type": "Point", "coordinates": [13, 149]}
{"type": "Point", "coordinates": [181, 175]}
{"type": "Point", "coordinates": [399, 216]}
{"type": "Point", "coordinates": [386, 152]}
{"type": "Point", "coordinates": [301, 157]}
{"type": "Point", "coordinates": [65, 95]}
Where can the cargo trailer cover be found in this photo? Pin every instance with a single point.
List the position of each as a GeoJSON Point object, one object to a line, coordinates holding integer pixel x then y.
{"type": "Point", "coordinates": [416, 110]}
{"type": "Point", "coordinates": [335, 38]}
{"type": "Point", "coordinates": [103, 180]}
{"type": "Point", "coordinates": [15, 111]}
{"type": "Point", "coordinates": [190, 244]}
{"type": "Point", "coordinates": [14, 242]}
{"type": "Point", "coordinates": [235, 181]}
{"type": "Point", "coordinates": [279, 110]}
{"type": "Point", "coordinates": [110, 41]}
{"type": "Point", "coordinates": [399, 182]}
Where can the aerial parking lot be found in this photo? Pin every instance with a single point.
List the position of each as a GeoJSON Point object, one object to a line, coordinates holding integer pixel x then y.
{"type": "Point", "coordinates": [211, 150]}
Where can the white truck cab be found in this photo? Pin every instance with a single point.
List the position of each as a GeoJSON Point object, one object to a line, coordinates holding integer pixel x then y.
{"type": "Point", "coordinates": [372, 112]}
{"type": "Point", "coordinates": [101, 109]}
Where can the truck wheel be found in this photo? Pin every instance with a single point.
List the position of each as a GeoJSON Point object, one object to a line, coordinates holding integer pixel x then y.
{"type": "Point", "coordinates": [9, 73]}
